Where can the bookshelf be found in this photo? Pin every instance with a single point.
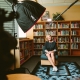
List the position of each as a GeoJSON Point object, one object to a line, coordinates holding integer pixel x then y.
{"type": "Point", "coordinates": [26, 49]}
{"type": "Point", "coordinates": [65, 33]}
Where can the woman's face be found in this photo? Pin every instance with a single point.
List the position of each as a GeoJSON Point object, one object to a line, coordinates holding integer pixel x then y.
{"type": "Point", "coordinates": [48, 37]}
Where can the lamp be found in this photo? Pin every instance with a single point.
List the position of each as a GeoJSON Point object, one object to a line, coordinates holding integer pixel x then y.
{"type": "Point", "coordinates": [29, 13]}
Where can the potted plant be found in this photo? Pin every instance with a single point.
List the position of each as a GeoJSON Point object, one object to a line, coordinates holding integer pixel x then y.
{"type": "Point", "coordinates": [56, 18]}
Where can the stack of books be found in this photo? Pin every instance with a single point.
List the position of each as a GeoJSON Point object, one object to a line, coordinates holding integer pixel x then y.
{"type": "Point", "coordinates": [50, 25]}
{"type": "Point", "coordinates": [63, 53]}
{"type": "Point", "coordinates": [63, 32]}
{"type": "Point", "coordinates": [62, 25]}
{"type": "Point", "coordinates": [38, 26]}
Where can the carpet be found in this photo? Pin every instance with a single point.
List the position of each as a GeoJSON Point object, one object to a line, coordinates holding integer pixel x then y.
{"type": "Point", "coordinates": [66, 71]}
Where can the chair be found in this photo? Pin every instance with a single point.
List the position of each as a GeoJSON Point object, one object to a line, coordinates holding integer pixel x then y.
{"type": "Point", "coordinates": [44, 59]}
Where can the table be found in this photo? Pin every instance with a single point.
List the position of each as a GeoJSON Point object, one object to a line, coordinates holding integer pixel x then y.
{"type": "Point", "coordinates": [22, 77]}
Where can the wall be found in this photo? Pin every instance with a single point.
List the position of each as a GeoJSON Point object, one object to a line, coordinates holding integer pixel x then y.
{"type": "Point", "coordinates": [29, 33]}
{"type": "Point", "coordinates": [71, 14]}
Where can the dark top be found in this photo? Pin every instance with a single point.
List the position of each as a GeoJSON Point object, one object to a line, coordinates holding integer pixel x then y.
{"type": "Point", "coordinates": [50, 46]}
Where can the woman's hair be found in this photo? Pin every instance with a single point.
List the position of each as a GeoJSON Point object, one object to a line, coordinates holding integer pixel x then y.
{"type": "Point", "coordinates": [46, 39]}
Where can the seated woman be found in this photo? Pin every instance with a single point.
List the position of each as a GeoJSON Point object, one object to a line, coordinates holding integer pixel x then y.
{"type": "Point", "coordinates": [50, 49]}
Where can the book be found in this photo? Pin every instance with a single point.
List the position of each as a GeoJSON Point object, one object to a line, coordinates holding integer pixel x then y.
{"type": "Point", "coordinates": [63, 25]}
{"type": "Point", "coordinates": [74, 46]}
{"type": "Point", "coordinates": [63, 46]}
{"type": "Point", "coordinates": [63, 53]}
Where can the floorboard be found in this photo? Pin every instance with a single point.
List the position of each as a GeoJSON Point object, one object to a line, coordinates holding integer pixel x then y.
{"type": "Point", "coordinates": [32, 62]}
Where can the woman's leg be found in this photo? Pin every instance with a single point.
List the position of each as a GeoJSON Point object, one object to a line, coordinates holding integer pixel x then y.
{"type": "Point", "coordinates": [50, 60]}
{"type": "Point", "coordinates": [53, 58]}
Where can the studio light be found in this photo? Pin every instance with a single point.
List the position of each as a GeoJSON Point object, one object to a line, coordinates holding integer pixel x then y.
{"type": "Point", "coordinates": [29, 13]}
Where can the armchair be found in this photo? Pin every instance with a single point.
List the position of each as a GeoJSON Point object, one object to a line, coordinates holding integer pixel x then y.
{"type": "Point", "coordinates": [44, 59]}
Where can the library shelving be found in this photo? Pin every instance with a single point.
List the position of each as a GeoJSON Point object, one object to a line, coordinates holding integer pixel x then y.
{"type": "Point", "coordinates": [26, 49]}
{"type": "Point", "coordinates": [66, 34]}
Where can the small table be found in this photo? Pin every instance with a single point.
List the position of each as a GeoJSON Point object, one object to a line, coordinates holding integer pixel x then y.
{"type": "Point", "coordinates": [22, 77]}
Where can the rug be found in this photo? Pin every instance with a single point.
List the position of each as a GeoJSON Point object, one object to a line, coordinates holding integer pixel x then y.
{"type": "Point", "coordinates": [66, 71]}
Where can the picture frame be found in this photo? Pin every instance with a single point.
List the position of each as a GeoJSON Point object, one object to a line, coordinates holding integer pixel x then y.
{"type": "Point", "coordinates": [45, 16]}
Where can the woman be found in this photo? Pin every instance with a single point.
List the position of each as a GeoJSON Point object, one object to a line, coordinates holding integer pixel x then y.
{"type": "Point", "coordinates": [50, 49]}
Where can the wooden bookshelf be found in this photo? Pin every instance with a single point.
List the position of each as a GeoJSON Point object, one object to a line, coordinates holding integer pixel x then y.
{"type": "Point", "coordinates": [65, 33]}
{"type": "Point", "coordinates": [26, 49]}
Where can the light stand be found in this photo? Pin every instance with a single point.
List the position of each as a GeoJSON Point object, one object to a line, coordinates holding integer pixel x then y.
{"type": "Point", "coordinates": [66, 9]}
{"type": "Point", "coordinates": [15, 34]}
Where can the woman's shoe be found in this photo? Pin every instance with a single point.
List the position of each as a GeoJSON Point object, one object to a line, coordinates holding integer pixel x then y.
{"type": "Point", "coordinates": [55, 68]}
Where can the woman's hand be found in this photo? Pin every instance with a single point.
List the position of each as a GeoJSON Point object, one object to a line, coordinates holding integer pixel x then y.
{"type": "Point", "coordinates": [51, 51]}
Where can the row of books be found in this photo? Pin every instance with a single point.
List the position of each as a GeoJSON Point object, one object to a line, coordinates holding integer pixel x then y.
{"type": "Point", "coordinates": [50, 25]}
{"type": "Point", "coordinates": [63, 39]}
{"type": "Point", "coordinates": [38, 26]}
{"type": "Point", "coordinates": [26, 53]}
{"type": "Point", "coordinates": [38, 33]}
{"type": "Point", "coordinates": [75, 39]}
{"type": "Point", "coordinates": [38, 46]}
{"type": "Point", "coordinates": [52, 33]}
{"type": "Point", "coordinates": [54, 39]}
{"type": "Point", "coordinates": [75, 25]}
{"type": "Point", "coordinates": [60, 39]}
{"type": "Point", "coordinates": [21, 60]}
{"type": "Point", "coordinates": [63, 32]}
{"type": "Point", "coordinates": [63, 53]}
{"type": "Point", "coordinates": [62, 25]}
{"type": "Point", "coordinates": [63, 46]}
{"type": "Point", "coordinates": [73, 32]}
{"type": "Point", "coordinates": [37, 52]}
{"type": "Point", "coordinates": [22, 55]}
{"type": "Point", "coordinates": [29, 53]}
{"type": "Point", "coordinates": [38, 40]}
{"type": "Point", "coordinates": [25, 45]}
{"type": "Point", "coordinates": [74, 46]}
{"type": "Point", "coordinates": [21, 45]}
{"type": "Point", "coordinates": [42, 40]}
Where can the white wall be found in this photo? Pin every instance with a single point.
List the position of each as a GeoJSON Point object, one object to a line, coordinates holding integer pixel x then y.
{"type": "Point", "coordinates": [21, 33]}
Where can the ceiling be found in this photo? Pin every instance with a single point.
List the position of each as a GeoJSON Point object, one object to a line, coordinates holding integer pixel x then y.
{"type": "Point", "coordinates": [57, 2]}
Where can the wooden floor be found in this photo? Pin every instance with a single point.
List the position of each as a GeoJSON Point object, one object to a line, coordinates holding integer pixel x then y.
{"type": "Point", "coordinates": [32, 62]}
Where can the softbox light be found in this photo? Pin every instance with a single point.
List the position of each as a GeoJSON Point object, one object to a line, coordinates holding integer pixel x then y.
{"type": "Point", "coordinates": [29, 12]}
